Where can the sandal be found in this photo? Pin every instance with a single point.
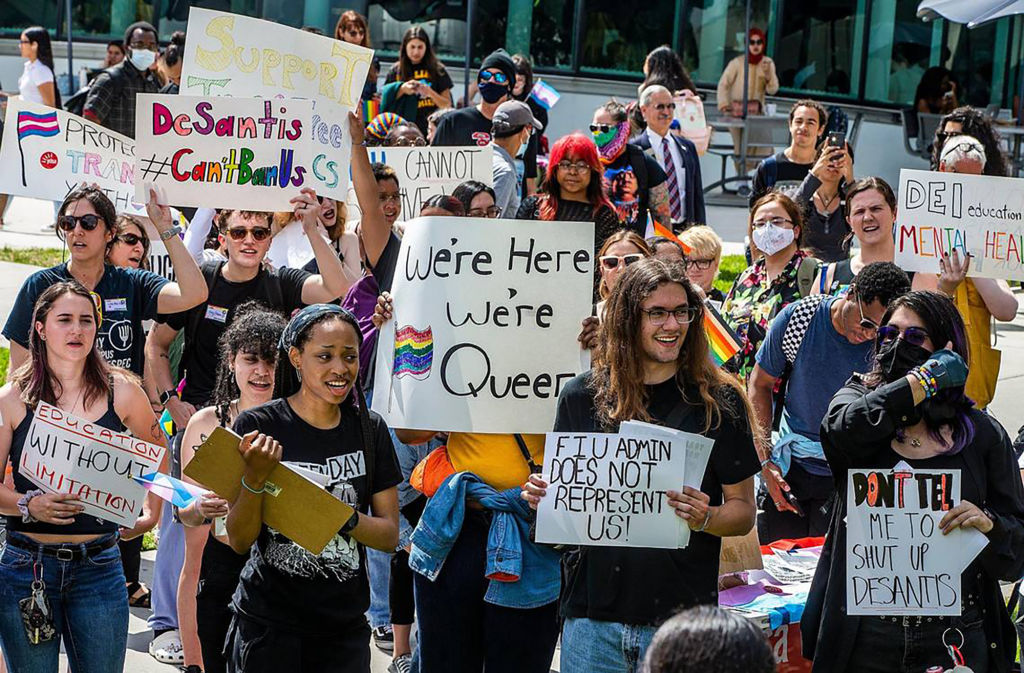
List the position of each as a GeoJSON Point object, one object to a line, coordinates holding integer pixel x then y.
{"type": "Point", "coordinates": [138, 595]}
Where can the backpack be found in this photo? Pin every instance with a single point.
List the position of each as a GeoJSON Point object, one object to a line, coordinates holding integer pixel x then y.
{"type": "Point", "coordinates": [805, 274]}
{"type": "Point", "coordinates": [792, 339]}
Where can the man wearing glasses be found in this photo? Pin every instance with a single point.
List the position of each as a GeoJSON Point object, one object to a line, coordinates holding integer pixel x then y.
{"type": "Point", "coordinates": [813, 346]}
{"type": "Point", "coordinates": [472, 125]}
{"type": "Point", "coordinates": [111, 99]}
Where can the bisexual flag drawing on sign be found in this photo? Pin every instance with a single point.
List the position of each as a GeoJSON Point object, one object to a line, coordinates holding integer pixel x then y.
{"type": "Point", "coordinates": [32, 124]}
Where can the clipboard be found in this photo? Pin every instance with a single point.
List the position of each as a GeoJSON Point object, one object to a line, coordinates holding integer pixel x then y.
{"type": "Point", "coordinates": [299, 509]}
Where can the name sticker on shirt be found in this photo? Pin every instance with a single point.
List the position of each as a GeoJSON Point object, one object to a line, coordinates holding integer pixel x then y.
{"type": "Point", "coordinates": [111, 305]}
{"type": "Point", "coordinates": [216, 313]}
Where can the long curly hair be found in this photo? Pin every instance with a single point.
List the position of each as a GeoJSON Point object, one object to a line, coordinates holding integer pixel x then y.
{"type": "Point", "coordinates": [977, 125]}
{"type": "Point", "coordinates": [256, 330]}
{"type": "Point", "coordinates": [573, 147]}
{"type": "Point", "coordinates": [618, 372]}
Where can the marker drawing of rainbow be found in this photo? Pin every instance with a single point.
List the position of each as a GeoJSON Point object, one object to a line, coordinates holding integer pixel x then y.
{"type": "Point", "coordinates": [414, 352]}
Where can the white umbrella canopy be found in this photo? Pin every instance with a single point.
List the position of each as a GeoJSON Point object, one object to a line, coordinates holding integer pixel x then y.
{"type": "Point", "coordinates": [970, 12]}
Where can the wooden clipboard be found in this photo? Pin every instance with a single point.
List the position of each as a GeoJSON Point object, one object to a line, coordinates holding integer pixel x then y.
{"type": "Point", "coordinates": [296, 507]}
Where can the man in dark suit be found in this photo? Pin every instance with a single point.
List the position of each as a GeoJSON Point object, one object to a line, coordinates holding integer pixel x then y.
{"type": "Point", "coordinates": [675, 154]}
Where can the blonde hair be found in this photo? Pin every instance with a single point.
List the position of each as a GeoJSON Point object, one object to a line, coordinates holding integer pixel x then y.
{"type": "Point", "coordinates": [703, 240]}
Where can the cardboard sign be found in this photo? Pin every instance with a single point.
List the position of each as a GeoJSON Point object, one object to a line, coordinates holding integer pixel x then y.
{"type": "Point", "coordinates": [234, 55]}
{"type": "Point", "coordinates": [977, 214]}
{"type": "Point", "coordinates": [295, 506]}
{"type": "Point", "coordinates": [609, 489]}
{"type": "Point", "coordinates": [424, 172]}
{"type": "Point", "coordinates": [65, 454]}
{"type": "Point", "coordinates": [249, 153]}
{"type": "Point", "coordinates": [898, 562]}
{"type": "Point", "coordinates": [47, 152]}
{"type": "Point", "coordinates": [486, 315]}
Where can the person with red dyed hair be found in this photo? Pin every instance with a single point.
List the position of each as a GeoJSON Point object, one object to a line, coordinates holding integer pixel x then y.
{"type": "Point", "coordinates": [572, 190]}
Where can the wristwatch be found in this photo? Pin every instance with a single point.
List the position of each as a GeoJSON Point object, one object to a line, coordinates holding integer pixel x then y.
{"type": "Point", "coordinates": [166, 395]}
{"type": "Point", "coordinates": [173, 231]}
{"type": "Point", "coordinates": [352, 522]}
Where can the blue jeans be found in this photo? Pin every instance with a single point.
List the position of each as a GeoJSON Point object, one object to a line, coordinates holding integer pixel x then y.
{"type": "Point", "coordinates": [170, 557]}
{"type": "Point", "coordinates": [89, 604]}
{"type": "Point", "coordinates": [590, 646]}
{"type": "Point", "coordinates": [378, 567]}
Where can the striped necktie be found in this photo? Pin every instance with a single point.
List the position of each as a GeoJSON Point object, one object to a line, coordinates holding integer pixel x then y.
{"type": "Point", "coordinates": [673, 187]}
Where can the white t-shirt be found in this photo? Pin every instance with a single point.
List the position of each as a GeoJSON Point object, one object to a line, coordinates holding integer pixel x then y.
{"type": "Point", "coordinates": [35, 74]}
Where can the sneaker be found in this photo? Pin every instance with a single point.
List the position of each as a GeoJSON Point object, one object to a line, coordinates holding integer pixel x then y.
{"type": "Point", "coordinates": [384, 639]}
{"type": "Point", "coordinates": [166, 648]}
{"type": "Point", "coordinates": [402, 664]}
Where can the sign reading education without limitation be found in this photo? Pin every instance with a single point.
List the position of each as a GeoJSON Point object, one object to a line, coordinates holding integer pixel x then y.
{"type": "Point", "coordinates": [977, 214]}
{"type": "Point", "coordinates": [65, 454]}
{"type": "Point", "coordinates": [486, 315]}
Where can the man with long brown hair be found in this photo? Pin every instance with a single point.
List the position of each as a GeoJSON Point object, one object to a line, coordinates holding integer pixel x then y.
{"type": "Point", "coordinates": [652, 364]}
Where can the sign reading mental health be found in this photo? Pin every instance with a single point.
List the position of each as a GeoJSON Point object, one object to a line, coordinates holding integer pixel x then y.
{"type": "Point", "coordinates": [249, 153]}
{"type": "Point", "coordinates": [609, 489]}
{"type": "Point", "coordinates": [898, 562]}
{"type": "Point", "coordinates": [486, 315]}
{"type": "Point", "coordinates": [234, 55]}
{"type": "Point", "coordinates": [47, 152]}
{"type": "Point", "coordinates": [65, 454]}
{"type": "Point", "coordinates": [977, 214]}
{"type": "Point", "coordinates": [424, 172]}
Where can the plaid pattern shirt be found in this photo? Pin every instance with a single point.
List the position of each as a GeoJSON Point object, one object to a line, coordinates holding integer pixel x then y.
{"type": "Point", "coordinates": [111, 99]}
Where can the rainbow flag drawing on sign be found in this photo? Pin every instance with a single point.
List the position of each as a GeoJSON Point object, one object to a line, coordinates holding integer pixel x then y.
{"type": "Point", "coordinates": [723, 341]}
{"type": "Point", "coordinates": [32, 124]}
{"type": "Point", "coordinates": [414, 352]}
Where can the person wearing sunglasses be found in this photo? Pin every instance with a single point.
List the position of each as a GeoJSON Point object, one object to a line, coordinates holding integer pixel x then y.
{"type": "Point", "coordinates": [512, 129]}
{"type": "Point", "coordinates": [812, 348]}
{"type": "Point", "coordinates": [471, 125]}
{"type": "Point", "coordinates": [652, 363]}
{"type": "Point", "coordinates": [970, 121]}
{"type": "Point", "coordinates": [130, 246]}
{"type": "Point", "coordinates": [620, 250]}
{"type": "Point", "coordinates": [756, 71]}
{"type": "Point", "coordinates": [422, 77]}
{"type": "Point", "coordinates": [912, 406]}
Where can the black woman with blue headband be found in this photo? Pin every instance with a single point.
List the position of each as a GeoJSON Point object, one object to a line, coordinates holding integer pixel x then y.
{"type": "Point", "coordinates": [296, 611]}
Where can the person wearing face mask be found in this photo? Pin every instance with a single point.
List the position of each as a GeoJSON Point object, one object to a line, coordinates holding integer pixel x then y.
{"type": "Point", "coordinates": [111, 99]}
{"type": "Point", "coordinates": [833, 339]}
{"type": "Point", "coordinates": [912, 407]}
{"type": "Point", "coordinates": [512, 128]}
{"type": "Point", "coordinates": [472, 125]}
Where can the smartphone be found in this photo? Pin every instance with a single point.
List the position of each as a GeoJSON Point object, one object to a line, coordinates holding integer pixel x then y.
{"type": "Point", "coordinates": [837, 139]}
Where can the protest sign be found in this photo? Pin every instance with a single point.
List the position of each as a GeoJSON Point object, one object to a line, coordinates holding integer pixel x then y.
{"type": "Point", "coordinates": [249, 153]}
{"type": "Point", "coordinates": [898, 562]}
{"type": "Point", "coordinates": [486, 315]}
{"type": "Point", "coordinates": [977, 214]}
{"type": "Point", "coordinates": [424, 172]}
{"type": "Point", "coordinates": [233, 55]}
{"type": "Point", "coordinates": [609, 489]}
{"type": "Point", "coordinates": [47, 152]}
{"type": "Point", "coordinates": [65, 454]}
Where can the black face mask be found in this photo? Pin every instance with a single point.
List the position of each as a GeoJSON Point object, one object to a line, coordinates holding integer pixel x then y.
{"type": "Point", "coordinates": [898, 357]}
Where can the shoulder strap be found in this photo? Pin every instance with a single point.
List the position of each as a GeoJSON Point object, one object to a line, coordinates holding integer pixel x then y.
{"type": "Point", "coordinates": [824, 274]}
{"type": "Point", "coordinates": [805, 275]}
{"type": "Point", "coordinates": [523, 449]}
{"type": "Point", "coordinates": [771, 171]}
{"type": "Point", "coordinates": [110, 389]}
{"type": "Point", "coordinates": [799, 323]}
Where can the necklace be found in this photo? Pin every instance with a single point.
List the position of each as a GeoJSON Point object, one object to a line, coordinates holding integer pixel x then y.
{"type": "Point", "coordinates": [825, 204]}
{"type": "Point", "coordinates": [913, 441]}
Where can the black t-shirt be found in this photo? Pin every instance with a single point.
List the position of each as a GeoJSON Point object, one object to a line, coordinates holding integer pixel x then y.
{"type": "Point", "coordinates": [630, 193]}
{"type": "Point", "coordinates": [459, 128]}
{"type": "Point", "coordinates": [280, 289]}
{"type": "Point", "coordinates": [605, 221]}
{"type": "Point", "coordinates": [533, 147]}
{"type": "Point", "coordinates": [646, 586]}
{"type": "Point", "coordinates": [283, 584]}
{"type": "Point", "coordinates": [788, 176]}
{"type": "Point", "coordinates": [426, 106]}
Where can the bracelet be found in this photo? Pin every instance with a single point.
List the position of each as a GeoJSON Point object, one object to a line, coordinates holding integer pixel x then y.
{"type": "Point", "coordinates": [707, 520]}
{"type": "Point", "coordinates": [170, 233]}
{"type": "Point", "coordinates": [26, 516]}
{"type": "Point", "coordinates": [764, 463]}
{"type": "Point", "coordinates": [928, 382]}
{"type": "Point", "coordinates": [251, 489]}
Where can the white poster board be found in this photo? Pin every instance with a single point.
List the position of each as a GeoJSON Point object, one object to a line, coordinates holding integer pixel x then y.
{"type": "Point", "coordinates": [65, 454]}
{"type": "Point", "coordinates": [248, 153]}
{"type": "Point", "coordinates": [424, 172]}
{"type": "Point", "coordinates": [234, 55]}
{"type": "Point", "coordinates": [898, 562]}
{"type": "Point", "coordinates": [48, 152]}
{"type": "Point", "coordinates": [979, 214]}
{"type": "Point", "coordinates": [486, 315]}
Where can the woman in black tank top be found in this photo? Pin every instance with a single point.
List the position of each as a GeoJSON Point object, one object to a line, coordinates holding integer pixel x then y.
{"type": "Point", "coordinates": [65, 562]}
{"type": "Point", "coordinates": [245, 379]}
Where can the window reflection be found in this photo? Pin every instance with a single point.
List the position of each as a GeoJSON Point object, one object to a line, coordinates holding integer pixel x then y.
{"type": "Point", "coordinates": [814, 50]}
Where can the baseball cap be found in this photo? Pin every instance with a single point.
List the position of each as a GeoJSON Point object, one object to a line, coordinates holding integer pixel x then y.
{"type": "Point", "coordinates": [513, 113]}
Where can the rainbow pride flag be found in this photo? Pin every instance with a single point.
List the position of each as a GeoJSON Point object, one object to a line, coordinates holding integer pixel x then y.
{"type": "Point", "coordinates": [414, 352]}
{"type": "Point", "coordinates": [371, 108]}
{"type": "Point", "coordinates": [723, 341]}
{"type": "Point", "coordinates": [662, 230]}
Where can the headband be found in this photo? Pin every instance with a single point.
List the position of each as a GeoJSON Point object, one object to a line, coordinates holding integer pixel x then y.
{"type": "Point", "coordinates": [301, 321]}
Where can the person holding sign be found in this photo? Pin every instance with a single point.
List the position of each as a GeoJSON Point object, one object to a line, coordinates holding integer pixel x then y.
{"type": "Point", "coordinates": [297, 611]}
{"type": "Point", "coordinates": [911, 408]}
{"type": "Point", "coordinates": [60, 572]}
{"type": "Point", "coordinates": [652, 364]}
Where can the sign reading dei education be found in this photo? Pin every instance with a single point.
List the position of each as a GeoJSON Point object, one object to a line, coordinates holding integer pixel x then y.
{"type": "Point", "coordinates": [47, 152]}
{"type": "Point", "coordinates": [248, 153]}
{"type": "Point", "coordinates": [486, 315]}
{"type": "Point", "coordinates": [977, 214]}
{"type": "Point", "coordinates": [65, 454]}
{"type": "Point", "coordinates": [234, 55]}
{"type": "Point", "coordinates": [898, 562]}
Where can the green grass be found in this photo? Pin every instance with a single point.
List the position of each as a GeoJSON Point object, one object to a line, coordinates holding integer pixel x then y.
{"type": "Point", "coordinates": [148, 541]}
{"type": "Point", "coordinates": [43, 257]}
{"type": "Point", "coordinates": [731, 267]}
{"type": "Point", "coordinates": [5, 361]}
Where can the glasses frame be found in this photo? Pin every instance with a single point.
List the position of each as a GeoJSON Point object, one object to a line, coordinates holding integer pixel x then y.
{"type": "Point", "coordinates": [699, 264]}
{"type": "Point", "coordinates": [621, 260]}
{"type": "Point", "coordinates": [78, 220]}
{"type": "Point", "coordinates": [498, 77]}
{"type": "Point", "coordinates": [775, 221]}
{"type": "Point", "coordinates": [258, 233]}
{"type": "Point", "coordinates": [602, 128]}
{"type": "Point", "coordinates": [573, 166]}
{"type": "Point", "coordinates": [865, 322]}
{"type": "Point", "coordinates": [915, 336]}
{"type": "Point", "coordinates": [684, 315]}
{"type": "Point", "coordinates": [129, 239]}
{"type": "Point", "coordinates": [486, 212]}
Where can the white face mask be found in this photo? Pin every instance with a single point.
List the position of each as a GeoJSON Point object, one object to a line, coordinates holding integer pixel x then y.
{"type": "Point", "coordinates": [142, 59]}
{"type": "Point", "coordinates": [771, 239]}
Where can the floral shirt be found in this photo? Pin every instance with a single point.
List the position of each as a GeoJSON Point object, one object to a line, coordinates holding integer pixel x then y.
{"type": "Point", "coordinates": [753, 302]}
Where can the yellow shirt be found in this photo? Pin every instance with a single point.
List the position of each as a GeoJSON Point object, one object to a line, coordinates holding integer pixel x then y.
{"type": "Point", "coordinates": [496, 459]}
{"type": "Point", "coordinates": [983, 368]}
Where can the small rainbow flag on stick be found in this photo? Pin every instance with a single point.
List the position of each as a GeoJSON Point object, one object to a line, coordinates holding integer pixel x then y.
{"type": "Point", "coordinates": [723, 341]}
{"type": "Point", "coordinates": [662, 230]}
{"type": "Point", "coordinates": [414, 352]}
{"type": "Point", "coordinates": [32, 124]}
{"type": "Point", "coordinates": [371, 108]}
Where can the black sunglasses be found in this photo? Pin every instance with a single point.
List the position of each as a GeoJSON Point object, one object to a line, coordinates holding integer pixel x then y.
{"type": "Point", "coordinates": [88, 222]}
{"type": "Point", "coordinates": [130, 239]}
{"type": "Point", "coordinates": [601, 128]}
{"type": "Point", "coordinates": [915, 336]}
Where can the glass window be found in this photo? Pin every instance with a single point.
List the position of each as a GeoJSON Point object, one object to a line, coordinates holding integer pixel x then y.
{"type": "Point", "coordinates": [713, 33]}
{"type": "Point", "coordinates": [551, 28]}
{"type": "Point", "coordinates": [899, 51]}
{"type": "Point", "coordinates": [446, 27]}
{"type": "Point", "coordinates": [818, 46]}
{"type": "Point", "coordinates": [17, 15]}
{"type": "Point", "coordinates": [971, 59]}
{"type": "Point", "coordinates": [617, 37]}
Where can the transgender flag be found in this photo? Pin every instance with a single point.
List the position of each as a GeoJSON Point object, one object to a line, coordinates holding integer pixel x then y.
{"type": "Point", "coordinates": [32, 124]}
{"type": "Point", "coordinates": [545, 94]}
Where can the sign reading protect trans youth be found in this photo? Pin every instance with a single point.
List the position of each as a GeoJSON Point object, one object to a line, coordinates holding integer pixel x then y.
{"type": "Point", "coordinates": [248, 153]}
